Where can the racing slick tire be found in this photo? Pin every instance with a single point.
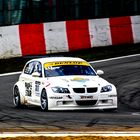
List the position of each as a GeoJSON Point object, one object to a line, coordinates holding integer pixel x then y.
{"type": "Point", "coordinates": [16, 97]}
{"type": "Point", "coordinates": [44, 100]}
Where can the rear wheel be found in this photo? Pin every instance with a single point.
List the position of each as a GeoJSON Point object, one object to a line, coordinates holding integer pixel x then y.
{"type": "Point", "coordinates": [44, 100]}
{"type": "Point", "coordinates": [16, 97]}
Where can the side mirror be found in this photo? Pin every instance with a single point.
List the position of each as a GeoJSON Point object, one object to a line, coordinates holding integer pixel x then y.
{"type": "Point", "coordinates": [100, 72]}
{"type": "Point", "coordinates": [35, 74]}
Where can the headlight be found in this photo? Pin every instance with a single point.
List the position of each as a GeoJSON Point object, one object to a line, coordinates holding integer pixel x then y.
{"type": "Point", "coordinates": [106, 88]}
{"type": "Point", "coordinates": [60, 90]}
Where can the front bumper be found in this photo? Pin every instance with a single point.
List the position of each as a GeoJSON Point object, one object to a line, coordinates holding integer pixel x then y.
{"type": "Point", "coordinates": [81, 102]}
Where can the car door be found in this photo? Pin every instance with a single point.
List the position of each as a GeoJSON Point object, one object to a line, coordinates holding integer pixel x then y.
{"type": "Point", "coordinates": [32, 82]}
{"type": "Point", "coordinates": [28, 81]}
{"type": "Point", "coordinates": [36, 82]}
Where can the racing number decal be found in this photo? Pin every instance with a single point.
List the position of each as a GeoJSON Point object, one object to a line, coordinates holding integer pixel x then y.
{"type": "Point", "coordinates": [37, 84]}
{"type": "Point", "coordinates": [28, 89]}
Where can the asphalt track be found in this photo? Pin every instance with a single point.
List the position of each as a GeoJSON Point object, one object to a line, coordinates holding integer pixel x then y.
{"type": "Point", "coordinates": [124, 73]}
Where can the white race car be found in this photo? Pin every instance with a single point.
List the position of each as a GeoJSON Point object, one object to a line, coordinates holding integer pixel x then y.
{"type": "Point", "coordinates": [63, 83]}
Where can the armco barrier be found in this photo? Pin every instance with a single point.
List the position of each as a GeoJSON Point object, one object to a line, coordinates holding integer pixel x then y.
{"type": "Point", "coordinates": [54, 37]}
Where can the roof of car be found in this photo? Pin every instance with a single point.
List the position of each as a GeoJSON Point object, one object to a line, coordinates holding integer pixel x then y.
{"type": "Point", "coordinates": [54, 59]}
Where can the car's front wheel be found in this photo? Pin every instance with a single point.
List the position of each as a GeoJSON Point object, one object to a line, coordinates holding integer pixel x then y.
{"type": "Point", "coordinates": [16, 97]}
{"type": "Point", "coordinates": [44, 100]}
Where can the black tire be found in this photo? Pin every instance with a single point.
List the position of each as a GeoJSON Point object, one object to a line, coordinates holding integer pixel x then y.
{"type": "Point", "coordinates": [16, 97]}
{"type": "Point", "coordinates": [44, 100]}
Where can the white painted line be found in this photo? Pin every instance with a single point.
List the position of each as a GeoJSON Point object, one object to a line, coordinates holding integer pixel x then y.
{"type": "Point", "coordinates": [116, 58]}
{"type": "Point", "coordinates": [11, 73]}
{"type": "Point", "coordinates": [70, 133]}
{"type": "Point", "coordinates": [98, 61]}
{"type": "Point", "coordinates": [136, 113]}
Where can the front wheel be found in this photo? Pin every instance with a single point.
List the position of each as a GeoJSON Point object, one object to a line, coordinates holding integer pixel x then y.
{"type": "Point", "coordinates": [16, 97]}
{"type": "Point", "coordinates": [44, 100]}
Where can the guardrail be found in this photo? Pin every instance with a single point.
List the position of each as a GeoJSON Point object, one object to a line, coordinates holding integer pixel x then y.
{"type": "Point", "coordinates": [54, 37]}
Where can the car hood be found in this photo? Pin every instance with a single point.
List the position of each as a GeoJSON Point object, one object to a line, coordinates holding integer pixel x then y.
{"type": "Point", "coordinates": [77, 81]}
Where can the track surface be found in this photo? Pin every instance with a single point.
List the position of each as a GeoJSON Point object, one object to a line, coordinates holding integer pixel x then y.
{"type": "Point", "coordinates": [124, 73]}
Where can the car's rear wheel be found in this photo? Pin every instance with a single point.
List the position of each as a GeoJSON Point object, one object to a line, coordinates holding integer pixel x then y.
{"type": "Point", "coordinates": [16, 97]}
{"type": "Point", "coordinates": [44, 100]}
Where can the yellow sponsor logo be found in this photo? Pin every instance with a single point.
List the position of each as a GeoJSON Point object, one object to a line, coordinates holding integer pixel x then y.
{"type": "Point", "coordinates": [60, 63]}
{"type": "Point", "coordinates": [79, 79]}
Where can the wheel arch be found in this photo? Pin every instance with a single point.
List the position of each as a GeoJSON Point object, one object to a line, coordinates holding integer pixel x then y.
{"type": "Point", "coordinates": [21, 89]}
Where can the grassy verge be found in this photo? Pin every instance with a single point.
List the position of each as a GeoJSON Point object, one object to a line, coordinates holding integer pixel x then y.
{"type": "Point", "coordinates": [97, 53]}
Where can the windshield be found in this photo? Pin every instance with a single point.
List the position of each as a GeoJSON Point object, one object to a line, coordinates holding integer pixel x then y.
{"type": "Point", "coordinates": [66, 70]}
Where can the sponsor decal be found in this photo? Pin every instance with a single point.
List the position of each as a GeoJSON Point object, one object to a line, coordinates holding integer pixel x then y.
{"type": "Point", "coordinates": [79, 79]}
{"type": "Point", "coordinates": [46, 84]}
{"type": "Point", "coordinates": [37, 85]}
{"type": "Point", "coordinates": [112, 95]}
{"type": "Point", "coordinates": [86, 97]}
{"type": "Point", "coordinates": [28, 89]}
{"type": "Point", "coordinates": [60, 63]}
{"type": "Point", "coordinates": [56, 97]}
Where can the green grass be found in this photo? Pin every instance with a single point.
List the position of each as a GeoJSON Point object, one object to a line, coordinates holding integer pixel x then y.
{"type": "Point", "coordinates": [96, 53]}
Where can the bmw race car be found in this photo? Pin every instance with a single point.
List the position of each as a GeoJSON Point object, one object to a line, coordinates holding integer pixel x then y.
{"type": "Point", "coordinates": [63, 83]}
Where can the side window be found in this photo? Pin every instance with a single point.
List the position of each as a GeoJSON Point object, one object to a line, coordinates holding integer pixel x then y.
{"type": "Point", "coordinates": [29, 68]}
{"type": "Point", "coordinates": [38, 68]}
{"type": "Point", "coordinates": [34, 66]}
